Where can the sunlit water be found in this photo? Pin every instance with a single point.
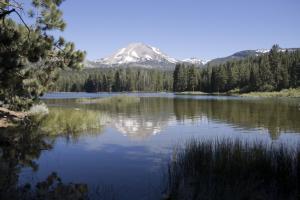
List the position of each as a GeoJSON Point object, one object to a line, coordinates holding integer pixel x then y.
{"type": "Point", "coordinates": [126, 148]}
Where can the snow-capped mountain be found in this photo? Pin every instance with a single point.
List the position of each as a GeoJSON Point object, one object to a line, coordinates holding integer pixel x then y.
{"type": "Point", "coordinates": [146, 56]}
{"type": "Point", "coordinates": [138, 54]}
{"type": "Point", "coordinates": [142, 55]}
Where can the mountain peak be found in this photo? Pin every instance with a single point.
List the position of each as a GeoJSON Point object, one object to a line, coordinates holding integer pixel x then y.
{"type": "Point", "coordinates": [137, 53]}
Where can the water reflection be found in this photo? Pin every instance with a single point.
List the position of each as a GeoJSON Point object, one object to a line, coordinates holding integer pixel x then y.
{"type": "Point", "coordinates": [99, 154]}
{"type": "Point", "coordinates": [18, 149]}
{"type": "Point", "coordinates": [151, 115]}
{"type": "Point", "coordinates": [275, 115]}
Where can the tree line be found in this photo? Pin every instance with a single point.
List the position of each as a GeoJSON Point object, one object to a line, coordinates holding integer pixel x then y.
{"type": "Point", "coordinates": [114, 80]}
{"type": "Point", "coordinates": [272, 71]}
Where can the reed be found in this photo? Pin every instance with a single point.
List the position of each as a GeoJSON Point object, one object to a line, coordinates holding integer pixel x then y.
{"type": "Point", "coordinates": [227, 169]}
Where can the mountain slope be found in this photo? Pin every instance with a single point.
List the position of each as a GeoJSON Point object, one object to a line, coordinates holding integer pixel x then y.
{"type": "Point", "coordinates": [245, 54]}
{"type": "Point", "coordinates": [237, 56]}
{"type": "Point", "coordinates": [138, 54]}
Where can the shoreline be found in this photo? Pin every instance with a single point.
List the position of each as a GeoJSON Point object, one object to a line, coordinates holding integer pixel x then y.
{"type": "Point", "coordinates": [9, 118]}
{"type": "Point", "coordinates": [287, 93]}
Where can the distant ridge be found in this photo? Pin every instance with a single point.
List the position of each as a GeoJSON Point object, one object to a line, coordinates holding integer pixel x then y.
{"type": "Point", "coordinates": [245, 54]}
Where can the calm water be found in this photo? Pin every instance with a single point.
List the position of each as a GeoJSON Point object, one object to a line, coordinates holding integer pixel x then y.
{"type": "Point", "coordinates": [125, 149]}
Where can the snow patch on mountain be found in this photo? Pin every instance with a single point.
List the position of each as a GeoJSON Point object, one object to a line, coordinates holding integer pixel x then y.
{"type": "Point", "coordinates": [195, 61]}
{"type": "Point", "coordinates": [262, 50]}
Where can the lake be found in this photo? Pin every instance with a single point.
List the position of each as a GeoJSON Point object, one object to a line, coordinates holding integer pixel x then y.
{"type": "Point", "coordinates": [121, 151]}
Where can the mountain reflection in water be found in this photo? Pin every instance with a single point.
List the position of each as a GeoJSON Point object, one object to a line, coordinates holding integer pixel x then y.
{"type": "Point", "coordinates": [151, 115]}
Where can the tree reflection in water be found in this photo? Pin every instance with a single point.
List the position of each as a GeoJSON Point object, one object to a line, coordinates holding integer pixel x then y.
{"type": "Point", "coordinates": [20, 148]}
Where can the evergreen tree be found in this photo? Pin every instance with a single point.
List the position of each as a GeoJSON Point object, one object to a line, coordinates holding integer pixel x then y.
{"type": "Point", "coordinates": [90, 85]}
{"type": "Point", "coordinates": [214, 86]}
{"type": "Point", "coordinates": [192, 78]}
{"type": "Point", "coordinates": [75, 88]}
{"type": "Point", "coordinates": [274, 60]}
{"type": "Point", "coordinates": [295, 74]}
{"type": "Point", "coordinates": [176, 87]}
{"type": "Point", "coordinates": [253, 80]}
{"type": "Point", "coordinates": [265, 75]}
{"type": "Point", "coordinates": [30, 56]}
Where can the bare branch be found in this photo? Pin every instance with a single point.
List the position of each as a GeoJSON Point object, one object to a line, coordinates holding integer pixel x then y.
{"type": "Point", "coordinates": [6, 12]}
{"type": "Point", "coordinates": [22, 21]}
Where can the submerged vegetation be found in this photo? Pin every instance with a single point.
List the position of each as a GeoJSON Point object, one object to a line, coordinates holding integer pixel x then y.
{"type": "Point", "coordinates": [227, 169]}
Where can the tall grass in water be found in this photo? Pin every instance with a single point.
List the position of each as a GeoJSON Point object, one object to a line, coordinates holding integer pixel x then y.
{"type": "Point", "coordinates": [72, 121]}
{"type": "Point", "coordinates": [228, 169]}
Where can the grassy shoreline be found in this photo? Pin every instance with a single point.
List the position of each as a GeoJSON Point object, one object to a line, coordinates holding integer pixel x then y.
{"type": "Point", "coordinates": [291, 93]}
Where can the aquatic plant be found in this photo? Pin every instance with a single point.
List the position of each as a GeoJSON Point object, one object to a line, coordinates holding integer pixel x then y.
{"type": "Point", "coordinates": [227, 169]}
{"type": "Point", "coordinates": [71, 121]}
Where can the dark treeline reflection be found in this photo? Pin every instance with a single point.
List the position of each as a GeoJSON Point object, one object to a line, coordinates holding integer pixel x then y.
{"type": "Point", "coordinates": [18, 149]}
{"type": "Point", "coordinates": [21, 148]}
{"type": "Point", "coordinates": [275, 115]}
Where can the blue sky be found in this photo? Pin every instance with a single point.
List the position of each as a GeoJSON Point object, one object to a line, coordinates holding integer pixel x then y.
{"type": "Point", "coordinates": [182, 28]}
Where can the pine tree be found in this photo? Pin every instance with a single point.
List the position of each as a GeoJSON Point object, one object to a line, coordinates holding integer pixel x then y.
{"type": "Point", "coordinates": [274, 60]}
{"type": "Point", "coordinates": [214, 84]}
{"type": "Point", "coordinates": [117, 83]}
{"type": "Point", "coordinates": [30, 55]}
{"type": "Point", "coordinates": [182, 77]}
{"type": "Point", "coordinates": [295, 74]}
{"type": "Point", "coordinates": [192, 78]}
{"type": "Point", "coordinates": [253, 80]}
{"type": "Point", "coordinates": [90, 85]}
{"type": "Point", "coordinates": [176, 78]}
